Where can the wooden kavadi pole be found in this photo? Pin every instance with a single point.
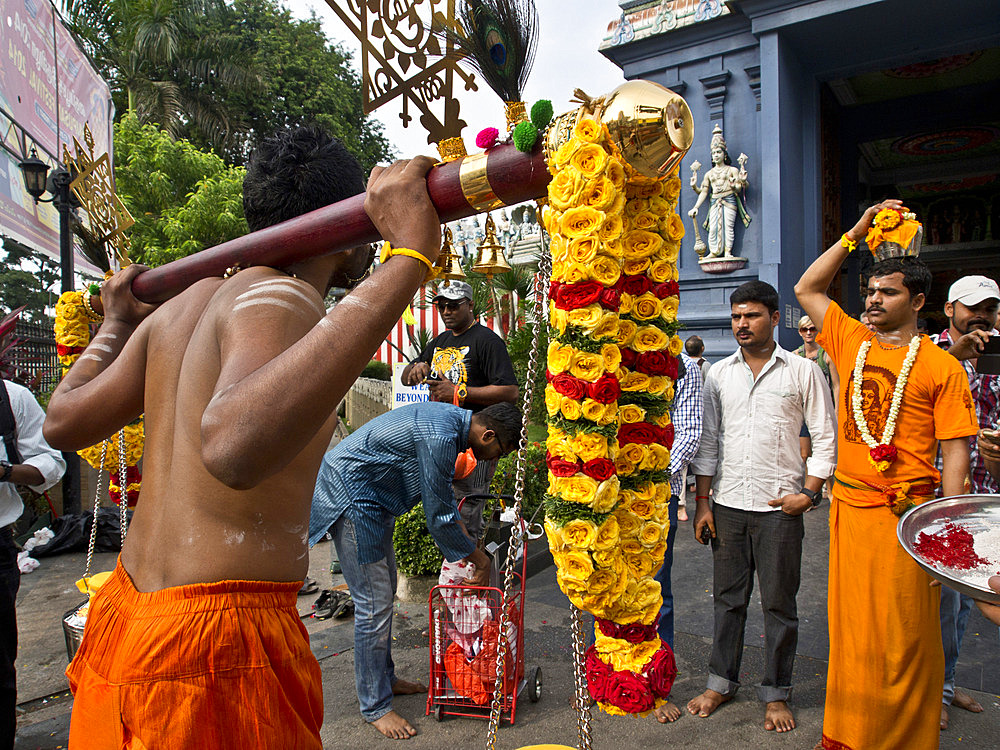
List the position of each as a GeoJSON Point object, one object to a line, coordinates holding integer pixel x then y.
{"type": "Point", "coordinates": [502, 176]}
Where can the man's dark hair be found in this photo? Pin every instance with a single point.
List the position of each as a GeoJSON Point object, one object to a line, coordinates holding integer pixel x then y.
{"type": "Point", "coordinates": [694, 346]}
{"type": "Point", "coordinates": [505, 421]}
{"type": "Point", "coordinates": [916, 276]}
{"type": "Point", "coordinates": [755, 291]}
{"type": "Point", "coordinates": [295, 171]}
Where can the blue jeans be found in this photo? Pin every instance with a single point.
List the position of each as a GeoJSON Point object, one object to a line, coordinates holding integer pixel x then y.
{"type": "Point", "coordinates": [666, 626]}
{"type": "Point", "coordinates": [955, 610]}
{"type": "Point", "coordinates": [373, 587]}
{"type": "Point", "coordinates": [10, 581]}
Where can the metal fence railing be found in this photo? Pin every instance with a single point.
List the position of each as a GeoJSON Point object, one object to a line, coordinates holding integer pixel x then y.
{"type": "Point", "coordinates": [33, 362]}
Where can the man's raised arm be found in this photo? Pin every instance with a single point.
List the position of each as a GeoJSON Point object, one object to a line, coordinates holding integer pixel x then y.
{"type": "Point", "coordinates": [811, 290]}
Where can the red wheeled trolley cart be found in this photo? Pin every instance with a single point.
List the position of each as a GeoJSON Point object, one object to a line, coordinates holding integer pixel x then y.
{"type": "Point", "coordinates": [465, 629]}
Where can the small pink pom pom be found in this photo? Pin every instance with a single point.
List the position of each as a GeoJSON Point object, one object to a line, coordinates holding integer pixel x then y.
{"type": "Point", "coordinates": [487, 137]}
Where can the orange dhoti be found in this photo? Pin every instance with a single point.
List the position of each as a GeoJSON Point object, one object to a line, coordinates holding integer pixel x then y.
{"type": "Point", "coordinates": [886, 659]}
{"type": "Point", "coordinates": [209, 665]}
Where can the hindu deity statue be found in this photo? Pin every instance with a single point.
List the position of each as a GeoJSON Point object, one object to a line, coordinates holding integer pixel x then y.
{"type": "Point", "coordinates": [723, 181]}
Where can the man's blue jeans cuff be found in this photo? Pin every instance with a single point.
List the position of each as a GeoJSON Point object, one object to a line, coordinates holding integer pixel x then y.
{"type": "Point", "coordinates": [771, 693]}
{"type": "Point", "coordinates": [721, 685]}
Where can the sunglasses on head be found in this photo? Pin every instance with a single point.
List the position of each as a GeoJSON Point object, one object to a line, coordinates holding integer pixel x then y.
{"type": "Point", "coordinates": [808, 329]}
{"type": "Point", "coordinates": [451, 305]}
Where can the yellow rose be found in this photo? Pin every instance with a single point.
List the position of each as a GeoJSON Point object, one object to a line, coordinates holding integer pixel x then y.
{"type": "Point", "coordinates": [582, 250]}
{"type": "Point", "coordinates": [558, 318]}
{"type": "Point", "coordinates": [650, 533]}
{"type": "Point", "coordinates": [570, 408]}
{"type": "Point", "coordinates": [630, 546]}
{"type": "Point", "coordinates": [628, 523]}
{"type": "Point", "coordinates": [660, 549]}
{"type": "Point", "coordinates": [554, 534]}
{"type": "Point", "coordinates": [659, 271]}
{"type": "Point", "coordinates": [660, 208]}
{"type": "Point", "coordinates": [563, 189]}
{"type": "Point", "coordinates": [661, 493]}
{"type": "Point", "coordinates": [642, 508]}
{"type": "Point", "coordinates": [600, 581]}
{"type": "Point", "coordinates": [560, 251]}
{"type": "Point", "coordinates": [647, 306]}
{"type": "Point", "coordinates": [581, 221]}
{"type": "Point", "coordinates": [648, 460]}
{"type": "Point", "coordinates": [635, 206]}
{"type": "Point", "coordinates": [610, 415]}
{"type": "Point", "coordinates": [634, 382]}
{"type": "Point", "coordinates": [624, 467]}
{"type": "Point", "coordinates": [618, 206]}
{"type": "Point", "coordinates": [559, 358]}
{"type": "Point", "coordinates": [625, 304]}
{"type": "Point", "coordinates": [550, 218]}
{"type": "Point", "coordinates": [613, 247]}
{"type": "Point", "coordinates": [593, 410]}
{"type": "Point", "coordinates": [660, 457]}
{"type": "Point", "coordinates": [612, 227]}
{"type": "Point", "coordinates": [645, 220]}
{"type": "Point", "coordinates": [671, 189]}
{"type": "Point", "coordinates": [607, 535]}
{"type": "Point", "coordinates": [590, 445]}
{"type": "Point", "coordinates": [616, 173]}
{"type": "Point", "coordinates": [648, 592]}
{"type": "Point", "coordinates": [574, 273]}
{"type": "Point", "coordinates": [606, 496]}
{"type": "Point", "coordinates": [579, 533]}
{"type": "Point", "coordinates": [670, 251]}
{"type": "Point", "coordinates": [676, 346]}
{"type": "Point", "coordinates": [565, 152]}
{"type": "Point", "coordinates": [552, 400]}
{"type": "Point", "coordinates": [607, 556]}
{"type": "Point", "coordinates": [576, 489]}
{"type": "Point", "coordinates": [663, 420]}
{"type": "Point", "coordinates": [668, 312]}
{"type": "Point", "coordinates": [598, 193]}
{"type": "Point", "coordinates": [629, 413]}
{"type": "Point", "coordinates": [635, 266]}
{"type": "Point", "coordinates": [605, 270]}
{"type": "Point", "coordinates": [587, 318]}
{"type": "Point", "coordinates": [607, 327]}
{"type": "Point", "coordinates": [626, 332]}
{"type": "Point", "coordinates": [635, 453]}
{"type": "Point", "coordinates": [612, 357]}
{"type": "Point", "coordinates": [560, 449]}
{"type": "Point", "coordinates": [640, 564]}
{"type": "Point", "coordinates": [647, 491]}
{"type": "Point", "coordinates": [638, 243]}
{"type": "Point", "coordinates": [675, 228]}
{"type": "Point", "coordinates": [577, 566]}
{"type": "Point", "coordinates": [588, 130]}
{"type": "Point", "coordinates": [649, 339]}
{"type": "Point", "coordinates": [590, 159]}
{"type": "Point", "coordinates": [587, 366]}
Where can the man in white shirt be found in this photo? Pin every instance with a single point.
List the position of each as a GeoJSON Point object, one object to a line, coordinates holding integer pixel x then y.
{"type": "Point", "coordinates": [27, 459]}
{"type": "Point", "coordinates": [756, 401]}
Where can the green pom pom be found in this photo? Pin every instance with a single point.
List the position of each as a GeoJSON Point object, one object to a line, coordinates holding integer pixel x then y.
{"type": "Point", "coordinates": [525, 135]}
{"type": "Point", "coordinates": [541, 113]}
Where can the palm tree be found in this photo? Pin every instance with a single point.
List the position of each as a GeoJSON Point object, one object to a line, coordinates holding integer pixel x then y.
{"type": "Point", "coordinates": [165, 58]}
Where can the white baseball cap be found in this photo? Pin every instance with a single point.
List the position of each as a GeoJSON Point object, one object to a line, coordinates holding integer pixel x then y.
{"type": "Point", "coordinates": [971, 290]}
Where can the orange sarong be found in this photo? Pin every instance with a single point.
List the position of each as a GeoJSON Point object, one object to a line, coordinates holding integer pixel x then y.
{"type": "Point", "coordinates": [209, 665]}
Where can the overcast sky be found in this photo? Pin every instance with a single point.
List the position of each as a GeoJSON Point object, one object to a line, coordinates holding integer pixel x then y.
{"type": "Point", "coordinates": [567, 58]}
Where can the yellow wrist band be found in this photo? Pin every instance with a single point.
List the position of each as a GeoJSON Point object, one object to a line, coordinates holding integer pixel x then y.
{"type": "Point", "coordinates": [388, 251]}
{"type": "Point", "coordinates": [848, 243]}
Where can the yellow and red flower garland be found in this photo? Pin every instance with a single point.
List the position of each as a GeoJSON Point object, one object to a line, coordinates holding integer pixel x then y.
{"type": "Point", "coordinates": [615, 238]}
{"type": "Point", "coordinates": [72, 334]}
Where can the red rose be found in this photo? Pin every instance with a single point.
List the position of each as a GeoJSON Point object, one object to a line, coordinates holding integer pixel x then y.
{"type": "Point", "coordinates": [610, 298]}
{"type": "Point", "coordinates": [662, 671]}
{"type": "Point", "coordinates": [598, 676]}
{"type": "Point", "coordinates": [629, 357]}
{"type": "Point", "coordinates": [636, 285]}
{"type": "Point", "coordinates": [638, 432]}
{"type": "Point", "coordinates": [569, 386]}
{"type": "Point", "coordinates": [608, 628]}
{"type": "Point", "coordinates": [573, 296]}
{"type": "Point", "coordinates": [605, 389]}
{"type": "Point", "coordinates": [636, 632]}
{"type": "Point", "coordinates": [554, 289]}
{"type": "Point", "coordinates": [548, 375]}
{"type": "Point", "coordinates": [667, 436]}
{"type": "Point", "coordinates": [671, 367]}
{"type": "Point", "coordinates": [884, 453]}
{"type": "Point", "coordinates": [560, 466]}
{"type": "Point", "coordinates": [629, 692]}
{"type": "Point", "coordinates": [599, 469]}
{"type": "Point", "coordinates": [653, 363]}
{"type": "Point", "coordinates": [664, 290]}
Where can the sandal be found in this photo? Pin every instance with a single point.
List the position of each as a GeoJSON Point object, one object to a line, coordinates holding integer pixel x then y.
{"type": "Point", "coordinates": [309, 586]}
{"type": "Point", "coordinates": [327, 603]}
{"type": "Point", "coordinates": [345, 607]}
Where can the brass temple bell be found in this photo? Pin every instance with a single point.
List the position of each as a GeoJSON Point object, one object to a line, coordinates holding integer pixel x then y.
{"type": "Point", "coordinates": [448, 262]}
{"type": "Point", "coordinates": [491, 259]}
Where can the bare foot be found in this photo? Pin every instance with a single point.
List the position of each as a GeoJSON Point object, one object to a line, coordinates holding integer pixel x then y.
{"type": "Point", "coordinates": [668, 712]}
{"type": "Point", "coordinates": [944, 717]}
{"type": "Point", "coordinates": [778, 717]}
{"type": "Point", "coordinates": [707, 702]}
{"type": "Point", "coordinates": [682, 514]}
{"type": "Point", "coordinates": [819, 745]}
{"type": "Point", "coordinates": [402, 687]}
{"type": "Point", "coordinates": [966, 701]}
{"type": "Point", "coordinates": [394, 726]}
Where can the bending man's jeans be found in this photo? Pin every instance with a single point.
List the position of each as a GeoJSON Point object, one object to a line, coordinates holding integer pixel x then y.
{"type": "Point", "coordinates": [372, 588]}
{"type": "Point", "coordinates": [955, 610]}
{"type": "Point", "coordinates": [10, 581]}
{"type": "Point", "coordinates": [771, 544]}
{"type": "Point", "coordinates": [666, 626]}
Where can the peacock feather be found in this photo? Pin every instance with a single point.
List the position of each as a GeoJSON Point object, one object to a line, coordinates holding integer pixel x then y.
{"type": "Point", "coordinates": [497, 39]}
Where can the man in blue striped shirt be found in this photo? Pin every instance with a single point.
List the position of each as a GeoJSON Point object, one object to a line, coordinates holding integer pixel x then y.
{"type": "Point", "coordinates": [382, 470]}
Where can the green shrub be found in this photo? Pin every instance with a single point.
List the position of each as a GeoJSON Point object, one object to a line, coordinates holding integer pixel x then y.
{"type": "Point", "coordinates": [519, 344]}
{"type": "Point", "coordinates": [416, 552]}
{"type": "Point", "coordinates": [377, 370]}
{"type": "Point", "coordinates": [536, 478]}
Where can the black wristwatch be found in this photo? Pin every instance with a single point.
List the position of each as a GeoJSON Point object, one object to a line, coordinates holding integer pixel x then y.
{"type": "Point", "coordinates": [7, 467]}
{"type": "Point", "coordinates": [816, 496]}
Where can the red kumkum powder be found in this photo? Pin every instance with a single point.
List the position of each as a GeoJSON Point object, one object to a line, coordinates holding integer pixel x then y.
{"type": "Point", "coordinates": [951, 547]}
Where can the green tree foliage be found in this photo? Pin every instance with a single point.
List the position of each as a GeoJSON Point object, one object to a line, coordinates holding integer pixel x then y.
{"type": "Point", "coordinates": [29, 279]}
{"type": "Point", "coordinates": [183, 199]}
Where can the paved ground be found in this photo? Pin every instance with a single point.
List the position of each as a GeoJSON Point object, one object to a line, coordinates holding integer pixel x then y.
{"type": "Point", "coordinates": [48, 592]}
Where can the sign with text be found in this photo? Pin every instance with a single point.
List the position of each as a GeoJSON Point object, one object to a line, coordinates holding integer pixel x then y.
{"type": "Point", "coordinates": [406, 394]}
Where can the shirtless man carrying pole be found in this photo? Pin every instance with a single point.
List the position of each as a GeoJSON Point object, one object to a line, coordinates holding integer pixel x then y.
{"type": "Point", "coordinates": [195, 640]}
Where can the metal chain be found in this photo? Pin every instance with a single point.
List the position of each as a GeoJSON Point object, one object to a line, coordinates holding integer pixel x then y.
{"type": "Point", "coordinates": [122, 485]}
{"type": "Point", "coordinates": [516, 536]}
{"type": "Point", "coordinates": [97, 506]}
{"type": "Point", "coordinates": [581, 695]}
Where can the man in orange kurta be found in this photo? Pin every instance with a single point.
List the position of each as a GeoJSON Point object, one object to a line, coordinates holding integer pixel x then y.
{"type": "Point", "coordinates": [886, 660]}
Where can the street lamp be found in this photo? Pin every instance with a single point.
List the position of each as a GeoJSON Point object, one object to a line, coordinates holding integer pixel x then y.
{"type": "Point", "coordinates": [35, 172]}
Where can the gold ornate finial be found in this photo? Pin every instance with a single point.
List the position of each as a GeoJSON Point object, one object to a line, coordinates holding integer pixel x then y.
{"type": "Point", "coordinates": [451, 149]}
{"type": "Point", "coordinates": [516, 113]}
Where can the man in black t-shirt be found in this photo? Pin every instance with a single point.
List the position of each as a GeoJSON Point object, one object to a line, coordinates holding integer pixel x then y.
{"type": "Point", "coordinates": [467, 365]}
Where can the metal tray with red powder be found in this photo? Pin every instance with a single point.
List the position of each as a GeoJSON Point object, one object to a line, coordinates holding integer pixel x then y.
{"type": "Point", "coordinates": [957, 541]}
